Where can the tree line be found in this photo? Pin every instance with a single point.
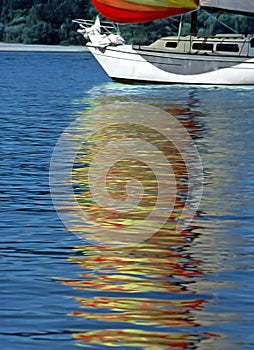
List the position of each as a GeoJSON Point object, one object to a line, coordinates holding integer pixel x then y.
{"type": "Point", "coordinates": [50, 22]}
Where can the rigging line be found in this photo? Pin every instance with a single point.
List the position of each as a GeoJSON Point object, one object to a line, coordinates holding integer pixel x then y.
{"type": "Point", "coordinates": [222, 23]}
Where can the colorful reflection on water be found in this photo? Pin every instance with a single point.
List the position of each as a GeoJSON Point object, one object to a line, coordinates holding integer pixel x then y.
{"type": "Point", "coordinates": [156, 294]}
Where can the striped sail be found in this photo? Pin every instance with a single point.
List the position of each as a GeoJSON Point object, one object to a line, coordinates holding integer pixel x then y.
{"type": "Point", "coordinates": [134, 11]}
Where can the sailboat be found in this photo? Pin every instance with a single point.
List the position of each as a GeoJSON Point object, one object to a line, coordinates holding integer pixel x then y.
{"type": "Point", "coordinates": [222, 59]}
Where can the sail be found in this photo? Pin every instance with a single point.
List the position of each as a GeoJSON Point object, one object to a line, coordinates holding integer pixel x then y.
{"type": "Point", "coordinates": [239, 6]}
{"type": "Point", "coordinates": [134, 11]}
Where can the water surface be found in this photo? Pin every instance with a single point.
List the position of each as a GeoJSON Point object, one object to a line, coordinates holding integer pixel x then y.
{"type": "Point", "coordinates": [186, 290]}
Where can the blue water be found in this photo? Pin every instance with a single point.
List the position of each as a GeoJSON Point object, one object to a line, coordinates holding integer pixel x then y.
{"type": "Point", "coordinates": [199, 291]}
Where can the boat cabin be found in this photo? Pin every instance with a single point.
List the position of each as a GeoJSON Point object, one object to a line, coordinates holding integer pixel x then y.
{"type": "Point", "coordinates": [220, 44]}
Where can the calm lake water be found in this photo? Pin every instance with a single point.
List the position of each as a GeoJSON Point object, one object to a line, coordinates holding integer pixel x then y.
{"type": "Point", "coordinates": [192, 289]}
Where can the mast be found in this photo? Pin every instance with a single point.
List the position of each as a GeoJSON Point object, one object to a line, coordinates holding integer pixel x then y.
{"type": "Point", "coordinates": [194, 23]}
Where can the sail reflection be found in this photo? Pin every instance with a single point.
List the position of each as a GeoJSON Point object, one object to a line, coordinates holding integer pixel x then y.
{"type": "Point", "coordinates": [150, 295]}
{"type": "Point", "coordinates": [141, 339]}
{"type": "Point", "coordinates": [150, 289]}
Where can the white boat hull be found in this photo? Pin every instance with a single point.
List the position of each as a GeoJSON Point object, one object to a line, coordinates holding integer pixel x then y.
{"type": "Point", "coordinates": [124, 63]}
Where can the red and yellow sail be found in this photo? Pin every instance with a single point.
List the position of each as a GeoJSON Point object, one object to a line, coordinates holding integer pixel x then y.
{"type": "Point", "coordinates": [134, 11]}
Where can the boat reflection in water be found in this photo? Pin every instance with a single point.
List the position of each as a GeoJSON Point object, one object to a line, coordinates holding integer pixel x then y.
{"type": "Point", "coordinates": [155, 294]}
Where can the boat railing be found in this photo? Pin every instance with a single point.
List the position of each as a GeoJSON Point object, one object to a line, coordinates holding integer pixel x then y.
{"type": "Point", "coordinates": [107, 27]}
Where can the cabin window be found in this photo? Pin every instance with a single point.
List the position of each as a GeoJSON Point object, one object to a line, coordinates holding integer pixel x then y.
{"type": "Point", "coordinates": [227, 47]}
{"type": "Point", "coordinates": [252, 42]}
{"type": "Point", "coordinates": [172, 44]}
{"type": "Point", "coordinates": [202, 46]}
